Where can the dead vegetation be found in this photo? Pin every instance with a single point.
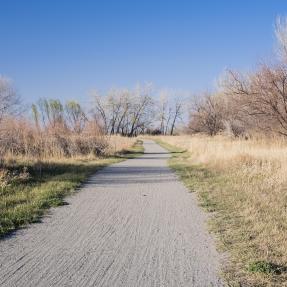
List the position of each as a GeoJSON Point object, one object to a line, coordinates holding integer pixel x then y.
{"type": "Point", "coordinates": [236, 159]}
{"type": "Point", "coordinates": [45, 158]}
{"type": "Point", "coordinates": [244, 183]}
{"type": "Point", "coordinates": [247, 103]}
{"type": "Point", "coordinates": [135, 112]}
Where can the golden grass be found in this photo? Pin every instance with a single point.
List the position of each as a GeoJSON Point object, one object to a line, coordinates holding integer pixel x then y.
{"type": "Point", "coordinates": [118, 143]}
{"type": "Point", "coordinates": [29, 186]}
{"type": "Point", "coordinates": [247, 186]}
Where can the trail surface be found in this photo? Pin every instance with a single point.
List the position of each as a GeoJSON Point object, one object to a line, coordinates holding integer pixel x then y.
{"type": "Point", "coordinates": [132, 225]}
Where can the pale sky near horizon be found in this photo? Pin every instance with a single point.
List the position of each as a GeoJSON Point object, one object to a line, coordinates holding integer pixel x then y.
{"type": "Point", "coordinates": [65, 48]}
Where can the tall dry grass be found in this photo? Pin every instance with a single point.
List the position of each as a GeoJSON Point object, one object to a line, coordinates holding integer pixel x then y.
{"type": "Point", "coordinates": [118, 143]}
{"type": "Point", "coordinates": [249, 190]}
{"type": "Point", "coordinates": [262, 156]}
{"type": "Point", "coordinates": [19, 138]}
{"type": "Point", "coordinates": [39, 167]}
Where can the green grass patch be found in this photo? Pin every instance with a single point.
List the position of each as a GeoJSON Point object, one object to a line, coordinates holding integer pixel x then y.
{"type": "Point", "coordinates": [27, 191]}
{"type": "Point", "coordinates": [264, 267]}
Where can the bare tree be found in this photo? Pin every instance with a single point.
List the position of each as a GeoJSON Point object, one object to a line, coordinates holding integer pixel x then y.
{"type": "Point", "coordinates": [76, 116]}
{"type": "Point", "coordinates": [177, 113]}
{"type": "Point", "coordinates": [140, 112]}
{"type": "Point", "coordinates": [124, 112]}
{"type": "Point", "coordinates": [9, 98]}
{"type": "Point", "coordinates": [206, 115]}
{"type": "Point", "coordinates": [100, 109]}
{"type": "Point", "coordinates": [125, 107]}
{"type": "Point", "coordinates": [163, 112]}
{"type": "Point", "coordinates": [263, 96]}
{"type": "Point", "coordinates": [52, 113]}
{"type": "Point", "coordinates": [168, 119]}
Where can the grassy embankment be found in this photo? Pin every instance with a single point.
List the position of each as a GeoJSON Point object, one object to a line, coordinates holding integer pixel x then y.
{"type": "Point", "coordinates": [26, 192]}
{"type": "Point", "coordinates": [243, 184]}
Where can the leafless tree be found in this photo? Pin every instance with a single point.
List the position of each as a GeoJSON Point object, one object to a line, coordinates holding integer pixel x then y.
{"type": "Point", "coordinates": [9, 98]}
{"type": "Point", "coordinates": [125, 112]}
{"type": "Point", "coordinates": [206, 115]}
{"type": "Point", "coordinates": [140, 111]}
{"type": "Point", "coordinates": [263, 96]}
{"type": "Point", "coordinates": [163, 112]}
{"type": "Point", "coordinates": [176, 114]}
{"type": "Point", "coordinates": [76, 117]}
{"type": "Point", "coordinates": [100, 109]}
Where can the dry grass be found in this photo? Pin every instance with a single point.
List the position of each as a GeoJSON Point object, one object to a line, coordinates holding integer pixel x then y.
{"type": "Point", "coordinates": [244, 181]}
{"type": "Point", "coordinates": [117, 143]}
{"type": "Point", "coordinates": [28, 186]}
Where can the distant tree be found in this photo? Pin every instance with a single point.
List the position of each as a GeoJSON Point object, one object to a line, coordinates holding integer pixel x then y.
{"type": "Point", "coordinates": [36, 115]}
{"type": "Point", "coordinates": [163, 112]}
{"type": "Point", "coordinates": [52, 112]}
{"type": "Point", "coordinates": [262, 96]}
{"type": "Point", "coordinates": [206, 115]}
{"type": "Point", "coordinates": [177, 113]}
{"type": "Point", "coordinates": [9, 98]}
{"type": "Point", "coordinates": [125, 112]}
{"type": "Point", "coordinates": [76, 117]}
{"type": "Point", "coordinates": [140, 115]}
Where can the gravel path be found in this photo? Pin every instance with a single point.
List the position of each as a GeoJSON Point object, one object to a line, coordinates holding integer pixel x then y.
{"type": "Point", "coordinates": [132, 225]}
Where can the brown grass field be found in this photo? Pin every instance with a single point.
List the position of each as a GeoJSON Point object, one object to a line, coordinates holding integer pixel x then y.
{"type": "Point", "coordinates": [243, 183]}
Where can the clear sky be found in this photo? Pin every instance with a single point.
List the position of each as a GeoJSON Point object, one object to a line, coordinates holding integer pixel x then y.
{"type": "Point", "coordinates": [65, 48]}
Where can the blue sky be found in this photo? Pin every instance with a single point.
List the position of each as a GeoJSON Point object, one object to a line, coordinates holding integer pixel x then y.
{"type": "Point", "coordinates": [65, 48]}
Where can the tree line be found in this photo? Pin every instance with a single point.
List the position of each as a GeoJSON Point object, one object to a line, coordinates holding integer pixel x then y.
{"type": "Point", "coordinates": [133, 112]}
{"type": "Point", "coordinates": [247, 103]}
{"type": "Point", "coordinates": [56, 128]}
